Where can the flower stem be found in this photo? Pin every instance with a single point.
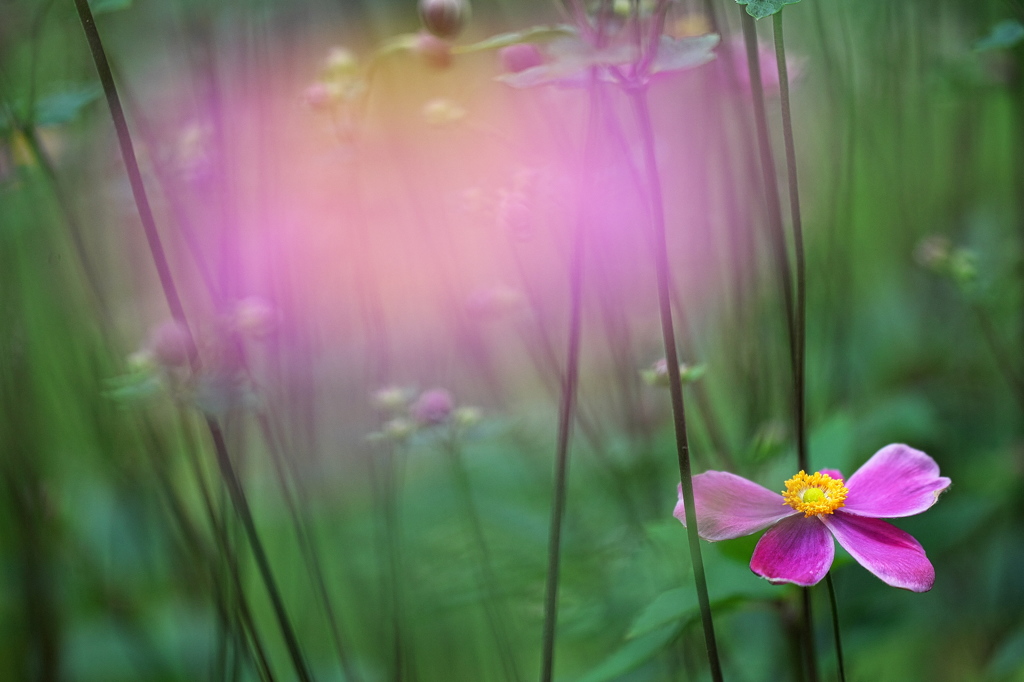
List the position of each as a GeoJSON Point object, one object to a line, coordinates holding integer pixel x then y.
{"type": "Point", "coordinates": [174, 303]}
{"type": "Point", "coordinates": [567, 406]}
{"type": "Point", "coordinates": [800, 335]}
{"type": "Point", "coordinates": [835, 626]}
{"type": "Point", "coordinates": [799, 332]}
{"type": "Point", "coordinates": [641, 109]}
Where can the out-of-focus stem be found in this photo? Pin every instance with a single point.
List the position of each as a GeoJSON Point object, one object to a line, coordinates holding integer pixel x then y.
{"type": "Point", "coordinates": [835, 626]}
{"type": "Point", "coordinates": [567, 406]}
{"type": "Point", "coordinates": [798, 321]}
{"type": "Point", "coordinates": [170, 291]}
{"type": "Point", "coordinates": [641, 109]}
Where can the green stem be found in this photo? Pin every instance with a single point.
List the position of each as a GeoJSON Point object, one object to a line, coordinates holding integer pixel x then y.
{"type": "Point", "coordinates": [835, 626]}
{"type": "Point", "coordinates": [661, 262]}
{"type": "Point", "coordinates": [174, 303]}
{"type": "Point", "coordinates": [799, 335]}
{"type": "Point", "coordinates": [567, 406]}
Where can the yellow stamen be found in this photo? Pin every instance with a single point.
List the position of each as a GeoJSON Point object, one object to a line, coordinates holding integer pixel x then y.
{"type": "Point", "coordinates": [814, 494]}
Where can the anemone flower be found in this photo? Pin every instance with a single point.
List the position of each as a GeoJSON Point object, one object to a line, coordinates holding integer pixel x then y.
{"type": "Point", "coordinates": [897, 481]}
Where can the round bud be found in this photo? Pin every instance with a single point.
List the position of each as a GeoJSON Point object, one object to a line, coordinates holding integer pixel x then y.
{"type": "Point", "coordinates": [520, 57]}
{"type": "Point", "coordinates": [444, 18]}
{"type": "Point", "coordinates": [433, 407]}
{"type": "Point", "coordinates": [435, 52]}
{"type": "Point", "coordinates": [170, 344]}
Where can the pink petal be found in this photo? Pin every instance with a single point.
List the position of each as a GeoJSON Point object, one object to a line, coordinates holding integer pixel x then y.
{"type": "Point", "coordinates": [890, 553]}
{"type": "Point", "coordinates": [835, 474]}
{"type": "Point", "coordinates": [896, 481]}
{"type": "Point", "coordinates": [797, 550]}
{"type": "Point", "coordinates": [729, 506]}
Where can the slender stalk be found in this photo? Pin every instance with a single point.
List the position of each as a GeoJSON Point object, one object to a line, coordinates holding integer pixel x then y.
{"type": "Point", "coordinates": [777, 237]}
{"type": "Point", "coordinates": [567, 404]}
{"type": "Point", "coordinates": [835, 626]}
{"type": "Point", "coordinates": [170, 291]}
{"type": "Point", "coordinates": [661, 262]}
{"type": "Point", "coordinates": [799, 321]}
{"type": "Point", "coordinates": [800, 336]}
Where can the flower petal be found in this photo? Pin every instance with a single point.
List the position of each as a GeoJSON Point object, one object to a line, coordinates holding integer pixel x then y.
{"type": "Point", "coordinates": [897, 481]}
{"type": "Point", "coordinates": [890, 553]}
{"type": "Point", "coordinates": [835, 474]}
{"type": "Point", "coordinates": [796, 550]}
{"type": "Point", "coordinates": [729, 506]}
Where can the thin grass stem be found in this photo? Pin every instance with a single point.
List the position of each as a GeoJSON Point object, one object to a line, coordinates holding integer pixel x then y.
{"type": "Point", "coordinates": [641, 109]}
{"type": "Point", "coordinates": [567, 403]}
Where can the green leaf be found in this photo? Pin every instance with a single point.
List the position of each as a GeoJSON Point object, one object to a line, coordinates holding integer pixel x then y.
{"type": "Point", "coordinates": [534, 34]}
{"type": "Point", "coordinates": [633, 654]}
{"type": "Point", "coordinates": [64, 107]}
{"type": "Point", "coordinates": [729, 584]}
{"type": "Point", "coordinates": [677, 54]}
{"type": "Point", "coordinates": [759, 9]}
{"type": "Point", "coordinates": [104, 6]}
{"type": "Point", "coordinates": [1003, 35]}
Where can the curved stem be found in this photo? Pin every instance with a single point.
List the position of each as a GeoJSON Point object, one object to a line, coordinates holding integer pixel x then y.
{"type": "Point", "coordinates": [643, 116]}
{"type": "Point", "coordinates": [835, 626]}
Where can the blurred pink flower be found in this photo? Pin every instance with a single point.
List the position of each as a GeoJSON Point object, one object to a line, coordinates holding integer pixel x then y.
{"type": "Point", "coordinates": [170, 344]}
{"type": "Point", "coordinates": [769, 66]}
{"type": "Point", "coordinates": [815, 508]}
{"type": "Point", "coordinates": [432, 407]}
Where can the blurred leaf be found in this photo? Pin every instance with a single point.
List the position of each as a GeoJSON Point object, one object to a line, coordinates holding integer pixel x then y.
{"type": "Point", "coordinates": [759, 9]}
{"type": "Point", "coordinates": [1003, 35]}
{"type": "Point", "coordinates": [632, 654]}
{"type": "Point", "coordinates": [728, 585]}
{"type": "Point", "coordinates": [104, 6]}
{"type": "Point", "coordinates": [534, 34]}
{"type": "Point", "coordinates": [677, 54]}
{"type": "Point", "coordinates": [64, 107]}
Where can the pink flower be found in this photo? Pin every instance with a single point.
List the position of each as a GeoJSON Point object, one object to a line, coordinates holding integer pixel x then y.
{"type": "Point", "coordinates": [897, 481]}
{"type": "Point", "coordinates": [432, 407]}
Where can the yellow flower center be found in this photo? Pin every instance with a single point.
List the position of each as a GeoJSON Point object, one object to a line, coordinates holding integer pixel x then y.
{"type": "Point", "coordinates": [814, 494]}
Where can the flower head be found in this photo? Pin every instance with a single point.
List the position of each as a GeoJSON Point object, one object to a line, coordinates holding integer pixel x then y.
{"type": "Point", "coordinates": [815, 508]}
{"type": "Point", "coordinates": [433, 407]}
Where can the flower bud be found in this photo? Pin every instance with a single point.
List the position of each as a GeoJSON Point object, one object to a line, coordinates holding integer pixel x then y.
{"type": "Point", "coordinates": [520, 57]}
{"type": "Point", "coordinates": [392, 398]}
{"type": "Point", "coordinates": [441, 111]}
{"type": "Point", "coordinates": [170, 344]}
{"type": "Point", "coordinates": [444, 18]}
{"type": "Point", "coordinates": [436, 53]}
{"type": "Point", "coordinates": [433, 407]}
{"type": "Point", "coordinates": [255, 317]}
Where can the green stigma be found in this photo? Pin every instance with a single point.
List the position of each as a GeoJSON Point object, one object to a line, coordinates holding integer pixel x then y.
{"type": "Point", "coordinates": [812, 496]}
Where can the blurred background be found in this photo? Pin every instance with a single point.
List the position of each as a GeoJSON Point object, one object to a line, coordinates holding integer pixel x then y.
{"type": "Point", "coordinates": [371, 231]}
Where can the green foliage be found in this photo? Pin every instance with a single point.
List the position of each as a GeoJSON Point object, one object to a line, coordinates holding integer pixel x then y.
{"type": "Point", "coordinates": [65, 106]}
{"type": "Point", "coordinates": [1003, 36]}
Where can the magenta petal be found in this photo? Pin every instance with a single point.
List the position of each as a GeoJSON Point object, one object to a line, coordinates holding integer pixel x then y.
{"type": "Point", "coordinates": [896, 481]}
{"type": "Point", "coordinates": [797, 550]}
{"type": "Point", "coordinates": [890, 553]}
{"type": "Point", "coordinates": [729, 506]}
{"type": "Point", "coordinates": [835, 474]}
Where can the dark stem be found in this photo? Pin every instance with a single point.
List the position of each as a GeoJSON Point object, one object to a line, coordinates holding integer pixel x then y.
{"type": "Point", "coordinates": [835, 626]}
{"type": "Point", "coordinates": [567, 403]}
{"type": "Point", "coordinates": [800, 337]}
{"type": "Point", "coordinates": [174, 303]}
{"type": "Point", "coordinates": [661, 262]}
